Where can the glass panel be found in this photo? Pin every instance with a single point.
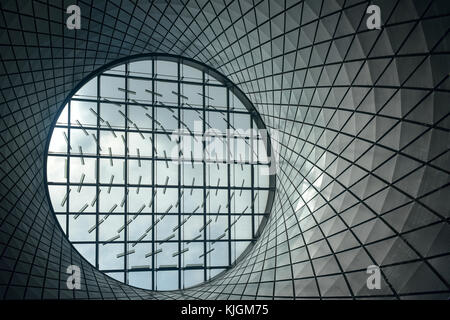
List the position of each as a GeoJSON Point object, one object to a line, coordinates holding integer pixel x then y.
{"type": "Point", "coordinates": [56, 169]}
{"type": "Point", "coordinates": [110, 88]}
{"type": "Point", "coordinates": [62, 218]}
{"type": "Point", "coordinates": [84, 113]}
{"type": "Point", "coordinates": [58, 142]}
{"type": "Point", "coordinates": [112, 115]}
{"type": "Point", "coordinates": [191, 227]}
{"type": "Point", "coordinates": [193, 120]}
{"type": "Point", "coordinates": [108, 259]}
{"type": "Point", "coordinates": [117, 70]}
{"type": "Point", "coordinates": [215, 176]}
{"type": "Point", "coordinates": [217, 227]}
{"type": "Point", "coordinates": [166, 93]}
{"type": "Point", "coordinates": [240, 150]}
{"type": "Point", "coordinates": [192, 174]}
{"type": "Point", "coordinates": [216, 149]}
{"type": "Point", "coordinates": [138, 197]}
{"type": "Point", "coordinates": [79, 228]}
{"type": "Point", "coordinates": [141, 116]}
{"type": "Point", "coordinates": [192, 201]}
{"type": "Point", "coordinates": [262, 176]}
{"type": "Point", "coordinates": [218, 200]}
{"type": "Point", "coordinates": [166, 172]}
{"type": "Point", "coordinates": [140, 144]}
{"type": "Point", "coordinates": [87, 251]}
{"type": "Point", "coordinates": [167, 117]}
{"type": "Point", "coordinates": [58, 196]}
{"type": "Point", "coordinates": [119, 276]}
{"type": "Point", "coordinates": [191, 148]}
{"type": "Point", "coordinates": [166, 70]}
{"type": "Point", "coordinates": [137, 231]}
{"type": "Point", "coordinates": [166, 280]}
{"type": "Point", "coordinates": [140, 279]}
{"type": "Point", "coordinates": [235, 103]}
{"type": "Point", "coordinates": [89, 90]}
{"type": "Point", "coordinates": [261, 201]}
{"type": "Point", "coordinates": [242, 229]}
{"type": "Point", "coordinates": [241, 123]}
{"type": "Point", "coordinates": [64, 116]}
{"type": "Point", "coordinates": [111, 144]}
{"type": "Point", "coordinates": [111, 227]}
{"type": "Point", "coordinates": [164, 230]}
{"type": "Point", "coordinates": [216, 97]}
{"type": "Point", "coordinates": [193, 94]}
{"type": "Point", "coordinates": [192, 257]}
{"type": "Point", "coordinates": [190, 74]}
{"type": "Point", "coordinates": [140, 172]}
{"type": "Point", "coordinates": [139, 90]}
{"type": "Point", "coordinates": [83, 141]}
{"type": "Point", "coordinates": [165, 202]}
{"type": "Point", "coordinates": [138, 259]}
{"type": "Point", "coordinates": [192, 277]}
{"type": "Point", "coordinates": [111, 199]}
{"type": "Point", "coordinates": [81, 199]}
{"type": "Point", "coordinates": [140, 68]}
{"type": "Point", "coordinates": [242, 175]}
{"type": "Point", "coordinates": [165, 258]}
{"type": "Point", "coordinates": [261, 153]}
{"type": "Point", "coordinates": [218, 121]}
{"type": "Point", "coordinates": [112, 171]}
{"type": "Point", "coordinates": [166, 146]}
{"type": "Point", "coordinates": [86, 172]}
{"type": "Point", "coordinates": [241, 203]}
{"type": "Point", "coordinates": [239, 248]}
{"type": "Point", "coordinates": [219, 256]}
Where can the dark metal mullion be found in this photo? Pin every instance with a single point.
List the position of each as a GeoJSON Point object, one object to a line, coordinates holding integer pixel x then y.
{"type": "Point", "coordinates": [162, 159]}
{"type": "Point", "coordinates": [68, 172]}
{"type": "Point", "coordinates": [159, 241]}
{"type": "Point", "coordinates": [252, 173]}
{"type": "Point", "coordinates": [209, 134]}
{"type": "Point", "coordinates": [205, 258]}
{"type": "Point", "coordinates": [92, 184]}
{"type": "Point", "coordinates": [179, 178]}
{"type": "Point", "coordinates": [125, 262]}
{"type": "Point", "coordinates": [115, 75]}
{"type": "Point", "coordinates": [160, 213]}
{"type": "Point", "coordinates": [97, 181]}
{"type": "Point", "coordinates": [221, 267]}
{"type": "Point", "coordinates": [153, 275]}
{"type": "Point", "coordinates": [138, 103]}
{"type": "Point", "coordinates": [229, 176]}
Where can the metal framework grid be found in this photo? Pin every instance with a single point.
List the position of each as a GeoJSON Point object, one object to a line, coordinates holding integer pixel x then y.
{"type": "Point", "coordinates": [157, 131]}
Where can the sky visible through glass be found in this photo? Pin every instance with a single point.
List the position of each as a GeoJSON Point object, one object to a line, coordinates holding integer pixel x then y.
{"type": "Point", "coordinates": [158, 173]}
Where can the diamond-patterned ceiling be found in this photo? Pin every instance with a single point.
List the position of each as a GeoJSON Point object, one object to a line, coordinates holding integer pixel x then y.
{"type": "Point", "coordinates": [362, 124]}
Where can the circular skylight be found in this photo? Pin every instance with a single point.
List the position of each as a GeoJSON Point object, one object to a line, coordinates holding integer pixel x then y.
{"type": "Point", "coordinates": [158, 172]}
